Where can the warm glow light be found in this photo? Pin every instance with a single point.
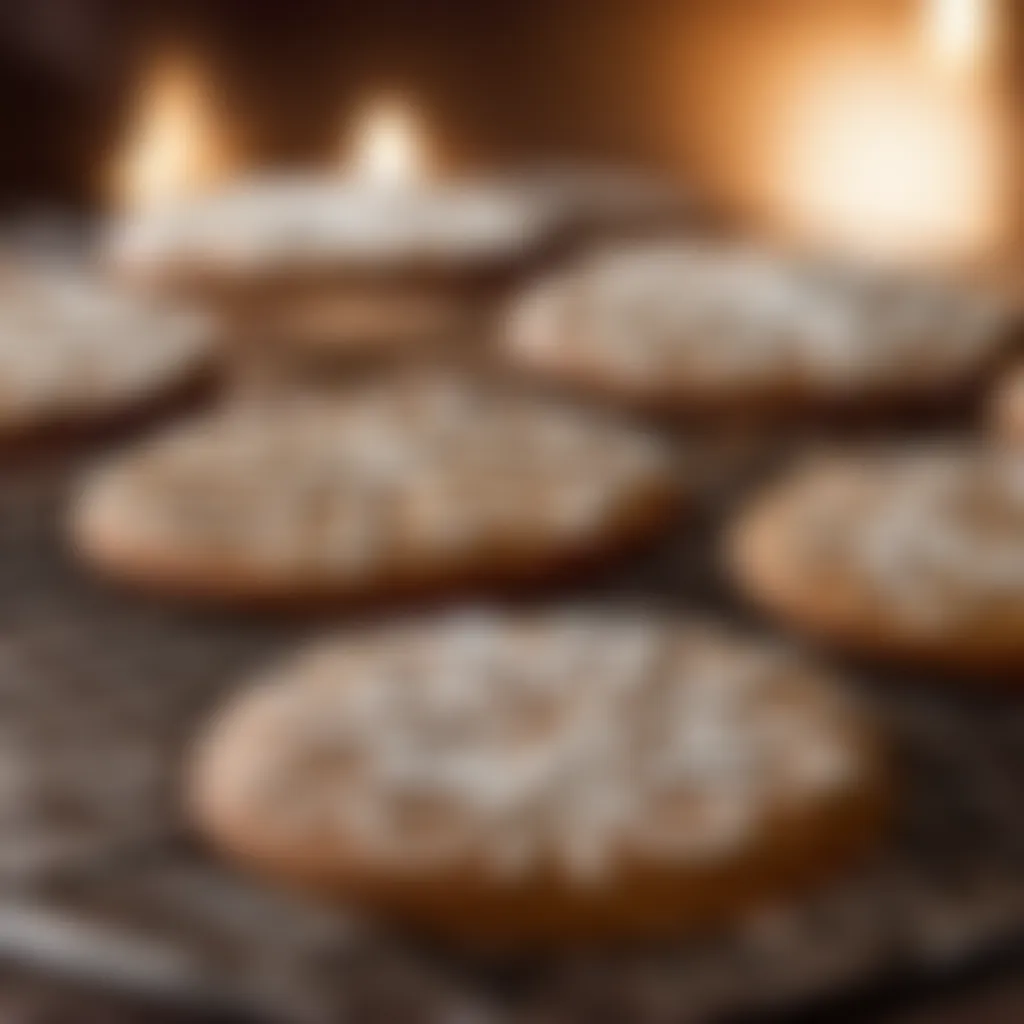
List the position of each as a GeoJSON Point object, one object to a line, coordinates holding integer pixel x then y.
{"type": "Point", "coordinates": [172, 149]}
{"type": "Point", "coordinates": [387, 147]}
{"type": "Point", "coordinates": [844, 128]}
{"type": "Point", "coordinates": [871, 159]}
{"type": "Point", "coordinates": [960, 31]}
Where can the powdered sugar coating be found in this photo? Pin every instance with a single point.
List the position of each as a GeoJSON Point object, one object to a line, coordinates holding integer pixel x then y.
{"type": "Point", "coordinates": [297, 225]}
{"type": "Point", "coordinates": [72, 345]}
{"type": "Point", "coordinates": [938, 537]}
{"type": "Point", "coordinates": [722, 320]}
{"type": "Point", "coordinates": [573, 741]}
{"type": "Point", "coordinates": [411, 474]}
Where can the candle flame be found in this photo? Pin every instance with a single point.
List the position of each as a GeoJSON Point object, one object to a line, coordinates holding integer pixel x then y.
{"type": "Point", "coordinates": [387, 149]}
{"type": "Point", "coordinates": [872, 164]}
{"type": "Point", "coordinates": [960, 31]}
{"type": "Point", "coordinates": [172, 149]}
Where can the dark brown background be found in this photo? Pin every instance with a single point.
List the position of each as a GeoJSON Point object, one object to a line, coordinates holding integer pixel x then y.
{"type": "Point", "coordinates": [671, 84]}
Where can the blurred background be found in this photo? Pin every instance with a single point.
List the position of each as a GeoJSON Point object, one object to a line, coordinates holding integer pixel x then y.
{"type": "Point", "coordinates": [890, 129]}
{"type": "Point", "coordinates": [874, 124]}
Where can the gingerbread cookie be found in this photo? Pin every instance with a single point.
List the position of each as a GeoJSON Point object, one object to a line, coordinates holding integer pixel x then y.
{"type": "Point", "coordinates": [917, 557]}
{"type": "Point", "coordinates": [418, 482]}
{"type": "Point", "coordinates": [74, 350]}
{"type": "Point", "coordinates": [706, 328]}
{"type": "Point", "coordinates": [544, 778]}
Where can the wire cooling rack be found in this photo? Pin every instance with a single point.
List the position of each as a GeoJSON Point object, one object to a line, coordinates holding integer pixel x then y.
{"type": "Point", "coordinates": [100, 879]}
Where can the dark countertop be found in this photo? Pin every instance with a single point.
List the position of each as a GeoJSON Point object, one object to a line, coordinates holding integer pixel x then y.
{"type": "Point", "coordinates": [995, 999]}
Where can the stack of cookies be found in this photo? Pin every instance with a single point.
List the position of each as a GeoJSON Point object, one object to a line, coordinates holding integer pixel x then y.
{"type": "Point", "coordinates": [559, 775]}
{"type": "Point", "coordinates": [422, 482]}
{"type": "Point", "coordinates": [327, 272]}
{"type": "Point", "coordinates": [329, 269]}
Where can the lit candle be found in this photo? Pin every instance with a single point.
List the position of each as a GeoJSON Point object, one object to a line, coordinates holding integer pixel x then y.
{"type": "Point", "coordinates": [960, 32]}
{"type": "Point", "coordinates": [173, 150]}
{"type": "Point", "coordinates": [382, 215]}
{"type": "Point", "coordinates": [896, 159]}
{"type": "Point", "coordinates": [387, 148]}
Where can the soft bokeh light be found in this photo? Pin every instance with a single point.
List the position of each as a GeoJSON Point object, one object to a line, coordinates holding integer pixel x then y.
{"type": "Point", "coordinates": [879, 158]}
{"type": "Point", "coordinates": [960, 32]}
{"type": "Point", "coordinates": [874, 130]}
{"type": "Point", "coordinates": [387, 148]}
{"type": "Point", "coordinates": [173, 148]}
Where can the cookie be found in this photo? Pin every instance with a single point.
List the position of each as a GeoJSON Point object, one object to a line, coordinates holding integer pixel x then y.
{"type": "Point", "coordinates": [361, 323]}
{"type": "Point", "coordinates": [707, 328]}
{"type": "Point", "coordinates": [543, 778]}
{"type": "Point", "coordinates": [331, 266]}
{"type": "Point", "coordinates": [74, 350]}
{"type": "Point", "coordinates": [1008, 409]}
{"type": "Point", "coordinates": [279, 231]}
{"type": "Point", "coordinates": [915, 557]}
{"type": "Point", "coordinates": [422, 482]}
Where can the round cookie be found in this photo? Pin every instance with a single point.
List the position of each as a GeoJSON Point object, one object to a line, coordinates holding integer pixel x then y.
{"type": "Point", "coordinates": [362, 323]}
{"type": "Point", "coordinates": [409, 484]}
{"type": "Point", "coordinates": [73, 350]}
{"type": "Point", "coordinates": [327, 266]}
{"type": "Point", "coordinates": [1008, 409]}
{"type": "Point", "coordinates": [541, 779]}
{"type": "Point", "coordinates": [716, 328]}
{"type": "Point", "coordinates": [277, 230]}
{"type": "Point", "coordinates": [916, 557]}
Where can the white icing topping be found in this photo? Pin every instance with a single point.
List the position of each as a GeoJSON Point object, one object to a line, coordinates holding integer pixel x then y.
{"type": "Point", "coordinates": [297, 224]}
{"type": "Point", "coordinates": [940, 537]}
{"type": "Point", "coordinates": [408, 474]}
{"type": "Point", "coordinates": [70, 343]}
{"type": "Point", "coordinates": [538, 741]}
{"type": "Point", "coordinates": [712, 316]}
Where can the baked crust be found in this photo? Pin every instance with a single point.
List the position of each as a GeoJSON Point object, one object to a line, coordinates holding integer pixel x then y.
{"type": "Point", "coordinates": [888, 570]}
{"type": "Point", "coordinates": [719, 331]}
{"type": "Point", "coordinates": [720, 855]}
{"type": "Point", "coordinates": [77, 353]}
{"type": "Point", "coordinates": [407, 487]}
